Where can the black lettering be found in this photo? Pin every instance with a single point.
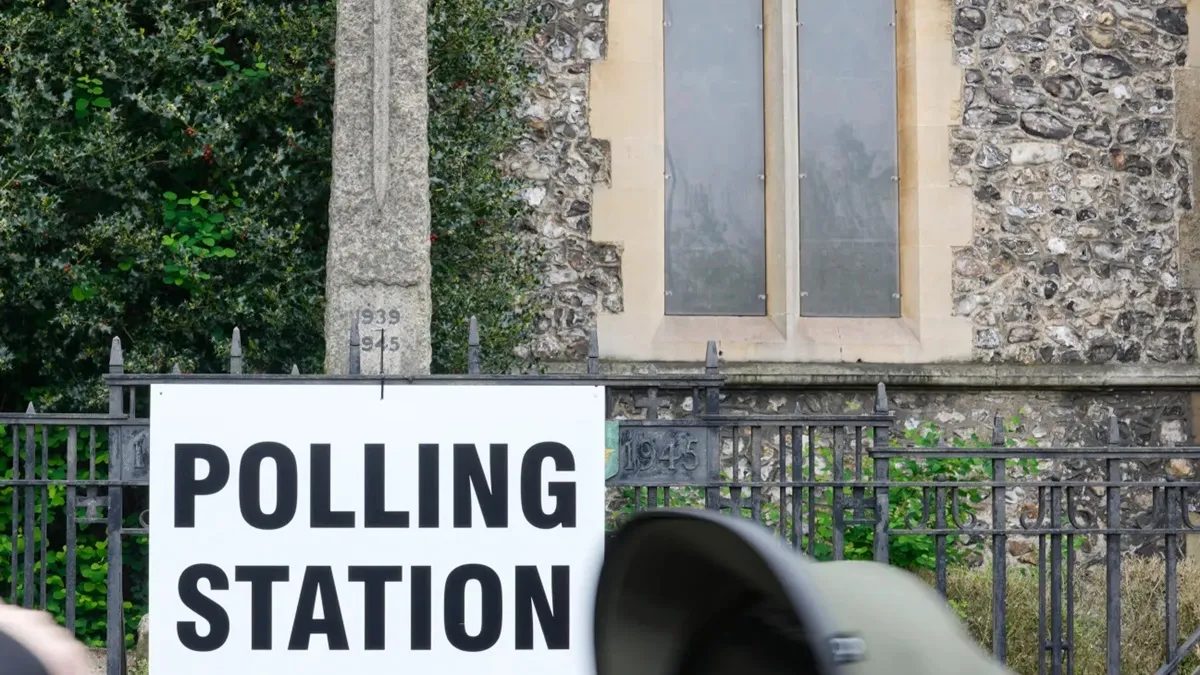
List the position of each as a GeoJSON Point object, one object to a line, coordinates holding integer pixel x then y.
{"type": "Point", "coordinates": [531, 598]}
{"type": "Point", "coordinates": [188, 487]}
{"type": "Point", "coordinates": [318, 581]}
{"type": "Point", "coordinates": [562, 491]}
{"type": "Point", "coordinates": [249, 486]}
{"type": "Point", "coordinates": [375, 600]}
{"type": "Point", "coordinates": [468, 474]}
{"type": "Point", "coordinates": [491, 608]}
{"type": "Point", "coordinates": [374, 480]}
{"type": "Point", "coordinates": [260, 578]}
{"type": "Point", "coordinates": [422, 608]}
{"type": "Point", "coordinates": [208, 609]}
{"type": "Point", "coordinates": [427, 485]}
{"type": "Point", "coordinates": [321, 513]}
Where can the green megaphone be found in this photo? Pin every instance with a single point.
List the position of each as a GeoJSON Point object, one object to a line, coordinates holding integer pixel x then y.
{"type": "Point", "coordinates": [693, 592]}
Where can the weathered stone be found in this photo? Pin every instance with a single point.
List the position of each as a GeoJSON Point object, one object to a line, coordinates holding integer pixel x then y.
{"type": "Point", "coordinates": [1013, 98]}
{"type": "Point", "coordinates": [971, 18]}
{"type": "Point", "coordinates": [1072, 260]}
{"type": "Point", "coordinates": [990, 157]}
{"type": "Point", "coordinates": [1095, 136]}
{"type": "Point", "coordinates": [1045, 125]}
{"type": "Point", "coordinates": [1132, 131]}
{"type": "Point", "coordinates": [378, 255]}
{"type": "Point", "coordinates": [1102, 38]}
{"type": "Point", "coordinates": [1066, 87]}
{"type": "Point", "coordinates": [1019, 334]}
{"type": "Point", "coordinates": [1026, 44]}
{"type": "Point", "coordinates": [1105, 66]}
{"type": "Point", "coordinates": [1172, 19]}
{"type": "Point", "coordinates": [1024, 154]}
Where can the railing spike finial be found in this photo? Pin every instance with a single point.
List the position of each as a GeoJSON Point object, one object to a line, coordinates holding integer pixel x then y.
{"type": "Point", "coordinates": [997, 431]}
{"type": "Point", "coordinates": [1114, 430]}
{"type": "Point", "coordinates": [116, 356]}
{"type": "Point", "coordinates": [881, 399]}
{"type": "Point", "coordinates": [711, 358]}
{"type": "Point", "coordinates": [175, 369]}
{"type": "Point", "coordinates": [295, 369]}
{"type": "Point", "coordinates": [30, 410]}
{"type": "Point", "coordinates": [235, 352]}
{"type": "Point", "coordinates": [473, 357]}
{"type": "Point", "coordinates": [593, 353]}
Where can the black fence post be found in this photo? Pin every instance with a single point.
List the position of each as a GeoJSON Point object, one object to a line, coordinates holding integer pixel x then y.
{"type": "Point", "coordinates": [882, 473]}
{"type": "Point", "coordinates": [115, 600]}
{"type": "Point", "coordinates": [712, 406]}
{"type": "Point", "coordinates": [999, 547]}
{"type": "Point", "coordinates": [1112, 552]}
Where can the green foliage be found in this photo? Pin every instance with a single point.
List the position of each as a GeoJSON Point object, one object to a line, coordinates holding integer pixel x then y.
{"type": "Point", "coordinates": [164, 176]}
{"type": "Point", "coordinates": [110, 109]}
{"type": "Point", "coordinates": [482, 265]}
{"type": "Point", "coordinates": [909, 507]}
{"type": "Point", "coordinates": [91, 577]}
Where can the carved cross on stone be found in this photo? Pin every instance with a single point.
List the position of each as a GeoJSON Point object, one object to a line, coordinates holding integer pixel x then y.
{"type": "Point", "coordinates": [651, 402]}
{"type": "Point", "coordinates": [377, 265]}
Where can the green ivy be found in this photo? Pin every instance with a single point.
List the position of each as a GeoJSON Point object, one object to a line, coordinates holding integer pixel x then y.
{"type": "Point", "coordinates": [164, 176]}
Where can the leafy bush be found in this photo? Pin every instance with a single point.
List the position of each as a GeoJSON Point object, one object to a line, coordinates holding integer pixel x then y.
{"type": "Point", "coordinates": [164, 176]}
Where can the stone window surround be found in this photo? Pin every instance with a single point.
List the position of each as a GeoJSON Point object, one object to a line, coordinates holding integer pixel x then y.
{"type": "Point", "coordinates": [935, 216]}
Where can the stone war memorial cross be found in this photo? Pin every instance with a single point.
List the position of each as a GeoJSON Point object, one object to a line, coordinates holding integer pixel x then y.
{"type": "Point", "coordinates": [377, 266]}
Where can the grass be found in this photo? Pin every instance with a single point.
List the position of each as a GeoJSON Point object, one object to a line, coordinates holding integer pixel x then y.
{"type": "Point", "coordinates": [1143, 612]}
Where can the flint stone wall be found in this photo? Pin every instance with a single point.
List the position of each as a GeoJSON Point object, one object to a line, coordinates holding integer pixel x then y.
{"type": "Point", "coordinates": [1068, 140]}
{"type": "Point", "coordinates": [561, 162]}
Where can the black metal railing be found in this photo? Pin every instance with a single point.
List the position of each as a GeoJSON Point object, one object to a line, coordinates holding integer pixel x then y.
{"type": "Point", "coordinates": [834, 486]}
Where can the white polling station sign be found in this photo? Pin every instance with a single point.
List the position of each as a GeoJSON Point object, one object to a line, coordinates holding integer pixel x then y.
{"type": "Point", "coordinates": [319, 528]}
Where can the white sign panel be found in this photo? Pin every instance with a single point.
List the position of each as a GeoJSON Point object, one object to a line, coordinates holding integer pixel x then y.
{"type": "Point", "coordinates": [324, 528]}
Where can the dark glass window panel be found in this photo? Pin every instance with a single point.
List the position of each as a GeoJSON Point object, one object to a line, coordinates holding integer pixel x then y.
{"type": "Point", "coordinates": [849, 196]}
{"type": "Point", "coordinates": [715, 194]}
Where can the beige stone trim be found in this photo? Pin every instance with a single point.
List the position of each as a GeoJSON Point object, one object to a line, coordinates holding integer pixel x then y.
{"type": "Point", "coordinates": [626, 110]}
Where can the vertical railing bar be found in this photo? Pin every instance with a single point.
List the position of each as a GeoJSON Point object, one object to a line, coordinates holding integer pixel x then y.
{"type": "Point", "coordinates": [1172, 572]}
{"type": "Point", "coordinates": [940, 539]}
{"type": "Point", "coordinates": [837, 502]}
{"type": "Point", "coordinates": [16, 510]}
{"type": "Point", "coordinates": [115, 614]}
{"type": "Point", "coordinates": [27, 560]}
{"type": "Point", "coordinates": [44, 528]}
{"type": "Point", "coordinates": [652, 414]}
{"type": "Point", "coordinates": [882, 469]}
{"type": "Point", "coordinates": [712, 406]}
{"type": "Point", "coordinates": [783, 468]}
{"type": "Point", "coordinates": [999, 547]}
{"type": "Point", "coordinates": [797, 488]}
{"type": "Point", "coordinates": [812, 490]}
{"type": "Point", "coordinates": [92, 454]}
{"type": "Point", "coordinates": [1056, 561]}
{"type": "Point", "coordinates": [1070, 572]}
{"type": "Point", "coordinates": [1112, 554]}
{"type": "Point", "coordinates": [72, 514]}
{"type": "Point", "coordinates": [756, 450]}
{"type": "Point", "coordinates": [858, 493]}
{"type": "Point", "coordinates": [1042, 643]}
{"type": "Point", "coordinates": [735, 473]}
